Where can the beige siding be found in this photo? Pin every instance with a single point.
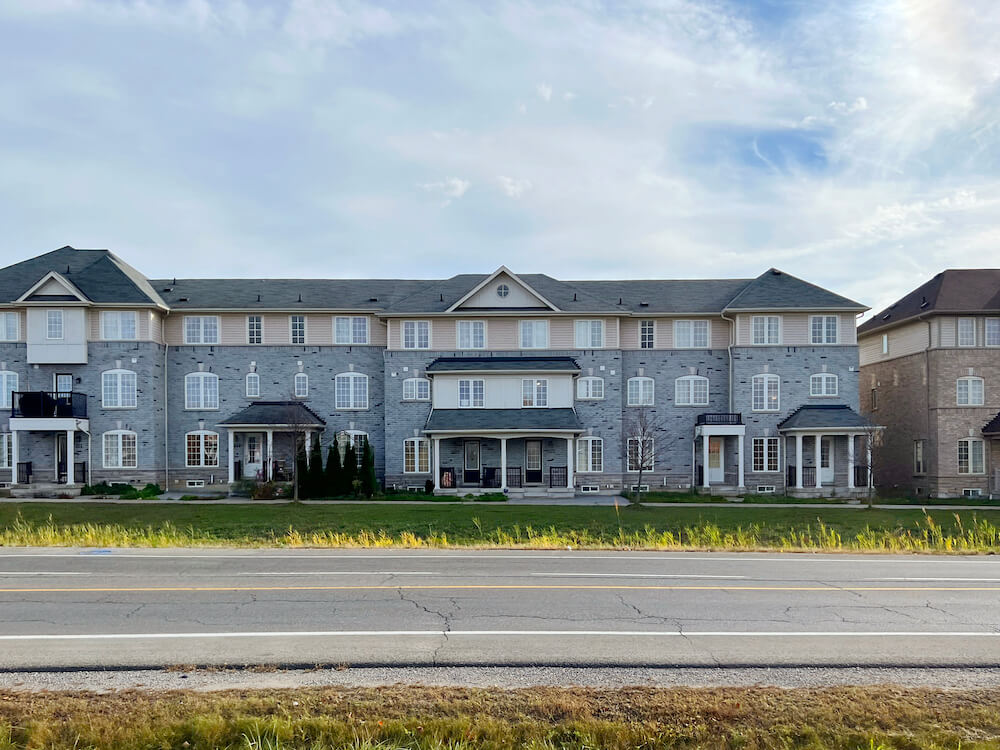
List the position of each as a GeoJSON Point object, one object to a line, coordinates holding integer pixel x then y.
{"type": "Point", "coordinates": [948, 331]}
{"type": "Point", "coordinates": [630, 332]}
{"type": "Point", "coordinates": [502, 334]}
{"type": "Point", "coordinates": [233, 330]}
{"type": "Point", "coordinates": [848, 329]}
{"type": "Point", "coordinates": [276, 329]}
{"type": "Point", "coordinates": [319, 329]}
{"type": "Point", "coordinates": [377, 332]}
{"type": "Point", "coordinates": [156, 327]}
{"type": "Point", "coordinates": [720, 333]}
{"type": "Point", "coordinates": [561, 333]}
{"type": "Point", "coordinates": [904, 340]}
{"type": "Point", "coordinates": [444, 335]}
{"type": "Point", "coordinates": [392, 334]}
{"type": "Point", "coordinates": [173, 329]}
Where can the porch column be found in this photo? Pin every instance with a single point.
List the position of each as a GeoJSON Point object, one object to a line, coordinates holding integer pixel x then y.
{"type": "Point", "coordinates": [503, 464]}
{"type": "Point", "coordinates": [850, 462]}
{"type": "Point", "coordinates": [70, 450]}
{"type": "Point", "coordinates": [270, 456]}
{"type": "Point", "coordinates": [739, 458]}
{"type": "Point", "coordinates": [818, 459]}
{"type": "Point", "coordinates": [704, 461]}
{"type": "Point", "coordinates": [798, 460]}
{"type": "Point", "coordinates": [13, 456]}
{"type": "Point", "coordinates": [868, 456]}
{"type": "Point", "coordinates": [309, 445]}
{"type": "Point", "coordinates": [232, 456]}
{"type": "Point", "coordinates": [569, 463]}
{"type": "Point", "coordinates": [437, 463]}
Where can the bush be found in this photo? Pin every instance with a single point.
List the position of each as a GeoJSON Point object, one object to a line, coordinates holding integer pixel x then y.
{"type": "Point", "coordinates": [124, 491]}
{"type": "Point", "coordinates": [264, 491]}
{"type": "Point", "coordinates": [429, 487]}
{"type": "Point", "coordinates": [241, 488]}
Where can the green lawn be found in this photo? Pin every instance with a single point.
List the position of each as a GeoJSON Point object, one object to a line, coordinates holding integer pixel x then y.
{"type": "Point", "coordinates": [723, 526]}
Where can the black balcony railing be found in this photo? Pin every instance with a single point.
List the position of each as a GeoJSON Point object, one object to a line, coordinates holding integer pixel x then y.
{"type": "Point", "coordinates": [808, 476]}
{"type": "Point", "coordinates": [860, 476]}
{"type": "Point", "coordinates": [720, 419]}
{"type": "Point", "coordinates": [558, 476]}
{"type": "Point", "coordinates": [514, 476]}
{"type": "Point", "coordinates": [49, 404]}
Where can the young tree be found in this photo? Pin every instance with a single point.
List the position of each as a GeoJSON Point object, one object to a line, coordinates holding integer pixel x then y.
{"type": "Point", "coordinates": [873, 435]}
{"type": "Point", "coordinates": [350, 469]}
{"type": "Point", "coordinates": [640, 430]}
{"type": "Point", "coordinates": [333, 472]}
{"type": "Point", "coordinates": [316, 477]}
{"type": "Point", "coordinates": [301, 478]}
{"type": "Point", "coordinates": [298, 425]}
{"type": "Point", "coordinates": [369, 483]}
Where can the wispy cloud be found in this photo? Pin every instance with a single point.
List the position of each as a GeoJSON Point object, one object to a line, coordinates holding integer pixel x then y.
{"type": "Point", "coordinates": [514, 188]}
{"type": "Point", "coordinates": [451, 188]}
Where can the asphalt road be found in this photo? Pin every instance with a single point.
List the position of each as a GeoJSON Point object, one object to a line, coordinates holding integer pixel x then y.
{"type": "Point", "coordinates": [130, 609]}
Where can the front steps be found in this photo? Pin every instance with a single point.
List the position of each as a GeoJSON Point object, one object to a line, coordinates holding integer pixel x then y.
{"type": "Point", "coordinates": [46, 490]}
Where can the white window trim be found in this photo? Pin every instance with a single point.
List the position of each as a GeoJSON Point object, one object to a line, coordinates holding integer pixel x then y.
{"type": "Point", "coordinates": [6, 395]}
{"type": "Point", "coordinates": [300, 377]}
{"type": "Point", "coordinates": [106, 314]}
{"type": "Point", "coordinates": [970, 379]}
{"type": "Point", "coordinates": [3, 326]}
{"type": "Point", "coordinates": [120, 434]}
{"type": "Point", "coordinates": [628, 390]}
{"type": "Point", "coordinates": [201, 443]}
{"type": "Point", "coordinates": [655, 332]}
{"type": "Point", "coordinates": [6, 449]}
{"type": "Point", "coordinates": [350, 330]}
{"type": "Point", "coordinates": [458, 335]}
{"type": "Point", "coordinates": [345, 437]}
{"type": "Point", "coordinates": [767, 454]}
{"type": "Point", "coordinates": [958, 333]}
{"type": "Point", "coordinates": [824, 342]}
{"type": "Point", "coordinates": [247, 384]}
{"type": "Point", "coordinates": [651, 458]}
{"type": "Point", "coordinates": [417, 442]}
{"type": "Point", "coordinates": [472, 390]}
{"type": "Point", "coordinates": [416, 335]}
{"type": "Point", "coordinates": [781, 333]}
{"type": "Point", "coordinates": [688, 380]}
{"type": "Point", "coordinates": [821, 377]}
{"type": "Point", "coordinates": [249, 342]}
{"type": "Point", "coordinates": [765, 377]}
{"type": "Point", "coordinates": [588, 440]}
{"type": "Point", "coordinates": [922, 444]}
{"type": "Point", "coordinates": [201, 330]}
{"type": "Point", "coordinates": [535, 385]}
{"type": "Point", "coordinates": [62, 325]}
{"type": "Point", "coordinates": [534, 322]}
{"type": "Point", "coordinates": [986, 332]}
{"type": "Point", "coordinates": [416, 396]}
{"type": "Point", "coordinates": [971, 442]}
{"type": "Point", "coordinates": [885, 343]}
{"type": "Point", "coordinates": [590, 379]}
{"type": "Point", "coordinates": [305, 329]}
{"type": "Point", "coordinates": [119, 372]}
{"type": "Point", "coordinates": [590, 330]}
{"type": "Point", "coordinates": [692, 345]}
{"type": "Point", "coordinates": [350, 376]}
{"type": "Point", "coordinates": [203, 376]}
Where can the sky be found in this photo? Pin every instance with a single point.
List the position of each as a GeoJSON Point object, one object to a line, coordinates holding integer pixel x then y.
{"type": "Point", "coordinates": [853, 143]}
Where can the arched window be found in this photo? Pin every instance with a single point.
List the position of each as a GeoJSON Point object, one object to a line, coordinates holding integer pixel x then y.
{"type": "Point", "coordinates": [590, 388]}
{"type": "Point", "coordinates": [8, 384]}
{"type": "Point", "coordinates": [691, 390]}
{"type": "Point", "coordinates": [118, 389]}
{"type": "Point", "coordinates": [253, 385]}
{"type": "Point", "coordinates": [301, 385]}
{"type": "Point", "coordinates": [766, 393]}
{"type": "Point", "coordinates": [823, 384]}
{"type": "Point", "coordinates": [351, 390]}
{"type": "Point", "coordinates": [416, 389]}
{"type": "Point", "coordinates": [120, 449]}
{"type": "Point", "coordinates": [201, 390]}
{"type": "Point", "coordinates": [202, 448]}
{"type": "Point", "coordinates": [640, 391]}
{"type": "Point", "coordinates": [416, 456]}
{"type": "Point", "coordinates": [590, 454]}
{"type": "Point", "coordinates": [969, 391]}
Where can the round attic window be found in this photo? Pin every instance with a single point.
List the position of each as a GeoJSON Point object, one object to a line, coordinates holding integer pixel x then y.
{"type": "Point", "coordinates": [503, 290]}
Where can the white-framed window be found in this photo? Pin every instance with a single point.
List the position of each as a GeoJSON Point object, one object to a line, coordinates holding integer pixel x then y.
{"type": "Point", "coordinates": [823, 384]}
{"type": "Point", "coordinates": [992, 331]}
{"type": "Point", "coordinates": [253, 385]}
{"type": "Point", "coordinates": [6, 450]}
{"type": "Point", "coordinates": [9, 326]}
{"type": "Point", "coordinates": [119, 389]}
{"type": "Point", "coordinates": [824, 329]}
{"type": "Point", "coordinates": [416, 334]}
{"type": "Point", "coordinates": [966, 331]}
{"type": "Point", "coordinates": [765, 330]}
{"type": "Point", "coordinates": [8, 384]}
{"type": "Point", "coordinates": [53, 324]}
{"type": "Point", "coordinates": [885, 343]}
{"type": "Point", "coordinates": [691, 390]}
{"type": "Point", "coordinates": [348, 331]}
{"type": "Point", "coordinates": [765, 455]}
{"type": "Point", "coordinates": [201, 448]}
{"type": "Point", "coordinates": [919, 465]}
{"type": "Point", "coordinates": [471, 393]}
{"type": "Point", "coordinates": [120, 449]}
{"type": "Point", "coordinates": [691, 334]}
{"type": "Point", "coordinates": [351, 390]}
{"type": "Point", "coordinates": [534, 334]}
{"type": "Point", "coordinates": [297, 324]}
{"type": "Point", "coordinates": [589, 334]}
{"type": "Point", "coordinates": [647, 334]}
{"type": "Point", "coordinates": [301, 384]}
{"type": "Point", "coordinates": [635, 456]}
{"type": "Point", "coordinates": [118, 325]}
{"type": "Point", "coordinates": [354, 438]}
{"type": "Point", "coordinates": [970, 456]}
{"type": "Point", "coordinates": [534, 392]}
{"type": "Point", "coordinates": [590, 388]}
{"type": "Point", "coordinates": [640, 391]}
{"type": "Point", "coordinates": [969, 391]}
{"type": "Point", "coordinates": [471, 334]}
{"type": "Point", "coordinates": [416, 389]}
{"type": "Point", "coordinates": [590, 454]}
{"type": "Point", "coordinates": [201, 329]}
{"type": "Point", "coordinates": [766, 393]}
{"type": "Point", "coordinates": [201, 390]}
{"type": "Point", "coordinates": [255, 329]}
{"type": "Point", "coordinates": [416, 456]}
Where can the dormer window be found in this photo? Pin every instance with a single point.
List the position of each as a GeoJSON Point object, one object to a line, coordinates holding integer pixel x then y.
{"type": "Point", "coordinates": [502, 291]}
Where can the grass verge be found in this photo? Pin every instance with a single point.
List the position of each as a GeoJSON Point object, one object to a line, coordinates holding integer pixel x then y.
{"type": "Point", "coordinates": [546, 527]}
{"type": "Point", "coordinates": [846, 718]}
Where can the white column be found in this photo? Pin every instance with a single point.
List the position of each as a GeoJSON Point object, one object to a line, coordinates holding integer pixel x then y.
{"type": "Point", "coordinates": [850, 462]}
{"type": "Point", "coordinates": [818, 459]}
{"type": "Point", "coordinates": [437, 463]}
{"type": "Point", "coordinates": [739, 457]}
{"type": "Point", "coordinates": [569, 463]}
{"type": "Point", "coordinates": [70, 450]}
{"type": "Point", "coordinates": [13, 456]}
{"type": "Point", "coordinates": [270, 456]}
{"type": "Point", "coordinates": [232, 456]}
{"type": "Point", "coordinates": [868, 456]}
{"type": "Point", "coordinates": [704, 461]}
{"type": "Point", "coordinates": [503, 464]}
{"type": "Point", "coordinates": [798, 460]}
{"type": "Point", "coordinates": [309, 445]}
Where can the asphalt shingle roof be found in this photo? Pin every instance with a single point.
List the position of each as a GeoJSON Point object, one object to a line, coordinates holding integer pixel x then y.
{"type": "Point", "coordinates": [474, 364]}
{"type": "Point", "coordinates": [824, 416]}
{"type": "Point", "coordinates": [993, 426]}
{"type": "Point", "coordinates": [775, 290]}
{"type": "Point", "coordinates": [284, 294]}
{"type": "Point", "coordinates": [275, 412]}
{"type": "Point", "coordinates": [461, 420]}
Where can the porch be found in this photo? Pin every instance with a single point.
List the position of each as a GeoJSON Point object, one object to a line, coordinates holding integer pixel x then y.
{"type": "Point", "coordinates": [43, 450]}
{"type": "Point", "coordinates": [720, 440]}
{"type": "Point", "coordinates": [265, 437]}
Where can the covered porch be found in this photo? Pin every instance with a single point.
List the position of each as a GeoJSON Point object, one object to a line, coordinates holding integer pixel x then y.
{"type": "Point", "coordinates": [718, 453]}
{"type": "Point", "coordinates": [264, 439]}
{"type": "Point", "coordinates": [43, 446]}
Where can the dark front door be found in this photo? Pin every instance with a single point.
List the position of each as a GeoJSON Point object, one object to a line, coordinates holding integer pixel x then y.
{"type": "Point", "coordinates": [64, 383]}
{"type": "Point", "coordinates": [533, 461]}
{"type": "Point", "coordinates": [471, 462]}
{"type": "Point", "coordinates": [61, 457]}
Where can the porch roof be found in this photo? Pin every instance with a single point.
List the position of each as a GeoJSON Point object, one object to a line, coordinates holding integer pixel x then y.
{"type": "Point", "coordinates": [993, 426]}
{"type": "Point", "coordinates": [833, 417]}
{"type": "Point", "coordinates": [275, 414]}
{"type": "Point", "coordinates": [501, 364]}
{"type": "Point", "coordinates": [503, 420]}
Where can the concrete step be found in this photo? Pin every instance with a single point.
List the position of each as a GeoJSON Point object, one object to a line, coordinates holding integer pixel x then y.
{"type": "Point", "coordinates": [45, 489]}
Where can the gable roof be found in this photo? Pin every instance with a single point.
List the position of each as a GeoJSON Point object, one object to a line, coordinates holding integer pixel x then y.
{"type": "Point", "coordinates": [503, 270]}
{"type": "Point", "coordinates": [503, 364]}
{"type": "Point", "coordinates": [262, 413]}
{"type": "Point", "coordinates": [955, 290]}
{"type": "Point", "coordinates": [492, 420]}
{"type": "Point", "coordinates": [664, 295]}
{"type": "Point", "coordinates": [68, 293]}
{"type": "Point", "coordinates": [824, 416]}
{"type": "Point", "coordinates": [777, 290]}
{"type": "Point", "coordinates": [993, 426]}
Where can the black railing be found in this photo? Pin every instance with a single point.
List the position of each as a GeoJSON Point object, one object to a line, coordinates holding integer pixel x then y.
{"type": "Point", "coordinates": [720, 419]}
{"type": "Point", "coordinates": [491, 477]}
{"type": "Point", "coordinates": [24, 472]}
{"type": "Point", "coordinates": [238, 470]}
{"type": "Point", "coordinates": [558, 476]}
{"type": "Point", "coordinates": [860, 476]}
{"type": "Point", "coordinates": [514, 476]}
{"type": "Point", "coordinates": [49, 404]}
{"type": "Point", "coordinates": [808, 476]}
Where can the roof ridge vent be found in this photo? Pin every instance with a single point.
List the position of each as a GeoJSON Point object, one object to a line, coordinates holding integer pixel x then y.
{"type": "Point", "coordinates": [775, 272]}
{"type": "Point", "coordinates": [300, 297]}
{"type": "Point", "coordinates": [923, 302]}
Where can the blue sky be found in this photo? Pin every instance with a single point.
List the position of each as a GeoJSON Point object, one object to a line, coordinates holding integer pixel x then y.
{"type": "Point", "coordinates": [852, 143]}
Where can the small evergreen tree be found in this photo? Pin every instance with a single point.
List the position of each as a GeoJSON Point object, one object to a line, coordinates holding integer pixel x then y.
{"type": "Point", "coordinates": [369, 483]}
{"type": "Point", "coordinates": [350, 470]}
{"type": "Point", "coordinates": [301, 474]}
{"type": "Point", "coordinates": [333, 472]}
{"type": "Point", "coordinates": [316, 488]}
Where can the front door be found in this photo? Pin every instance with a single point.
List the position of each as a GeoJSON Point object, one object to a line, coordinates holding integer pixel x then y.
{"type": "Point", "coordinates": [533, 461]}
{"type": "Point", "coordinates": [61, 476]}
{"type": "Point", "coordinates": [716, 461]}
{"type": "Point", "coordinates": [471, 462]}
{"type": "Point", "coordinates": [826, 461]}
{"type": "Point", "coordinates": [63, 383]}
{"type": "Point", "coordinates": [253, 456]}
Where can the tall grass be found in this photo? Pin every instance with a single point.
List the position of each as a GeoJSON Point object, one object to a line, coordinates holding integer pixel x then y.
{"type": "Point", "coordinates": [925, 535]}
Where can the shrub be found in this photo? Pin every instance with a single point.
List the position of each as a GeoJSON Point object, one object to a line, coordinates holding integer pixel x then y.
{"type": "Point", "coordinates": [369, 482]}
{"type": "Point", "coordinates": [333, 474]}
{"type": "Point", "coordinates": [429, 487]}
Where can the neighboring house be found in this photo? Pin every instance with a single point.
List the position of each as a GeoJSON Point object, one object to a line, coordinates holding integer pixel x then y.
{"type": "Point", "coordinates": [930, 372]}
{"type": "Point", "coordinates": [499, 381]}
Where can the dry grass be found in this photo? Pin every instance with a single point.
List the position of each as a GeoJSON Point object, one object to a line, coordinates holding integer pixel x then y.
{"type": "Point", "coordinates": [415, 717]}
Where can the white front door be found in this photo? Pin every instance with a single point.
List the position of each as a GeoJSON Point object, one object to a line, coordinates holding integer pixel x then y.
{"type": "Point", "coordinates": [253, 455]}
{"type": "Point", "coordinates": [716, 461]}
{"type": "Point", "coordinates": [826, 460]}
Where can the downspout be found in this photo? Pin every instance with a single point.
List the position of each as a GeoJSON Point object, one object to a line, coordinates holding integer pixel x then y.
{"type": "Point", "coordinates": [729, 349]}
{"type": "Point", "coordinates": [166, 410]}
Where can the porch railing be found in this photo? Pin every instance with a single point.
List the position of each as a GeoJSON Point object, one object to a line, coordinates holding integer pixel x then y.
{"type": "Point", "coordinates": [720, 419]}
{"type": "Point", "coordinates": [808, 477]}
{"type": "Point", "coordinates": [558, 476]}
{"type": "Point", "coordinates": [24, 472]}
{"type": "Point", "coordinates": [491, 477]}
{"type": "Point", "coordinates": [514, 476]}
{"type": "Point", "coordinates": [860, 476]}
{"type": "Point", "coordinates": [49, 404]}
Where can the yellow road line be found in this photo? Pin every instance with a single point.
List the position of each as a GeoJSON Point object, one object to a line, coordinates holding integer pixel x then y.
{"type": "Point", "coordinates": [489, 587]}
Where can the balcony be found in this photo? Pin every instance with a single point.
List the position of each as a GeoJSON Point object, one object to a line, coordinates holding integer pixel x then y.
{"type": "Point", "coordinates": [720, 419]}
{"type": "Point", "coordinates": [49, 405]}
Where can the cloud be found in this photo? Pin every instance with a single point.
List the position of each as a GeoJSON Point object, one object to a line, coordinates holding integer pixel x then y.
{"type": "Point", "coordinates": [544, 91]}
{"type": "Point", "coordinates": [843, 108]}
{"type": "Point", "coordinates": [452, 188]}
{"type": "Point", "coordinates": [513, 188]}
